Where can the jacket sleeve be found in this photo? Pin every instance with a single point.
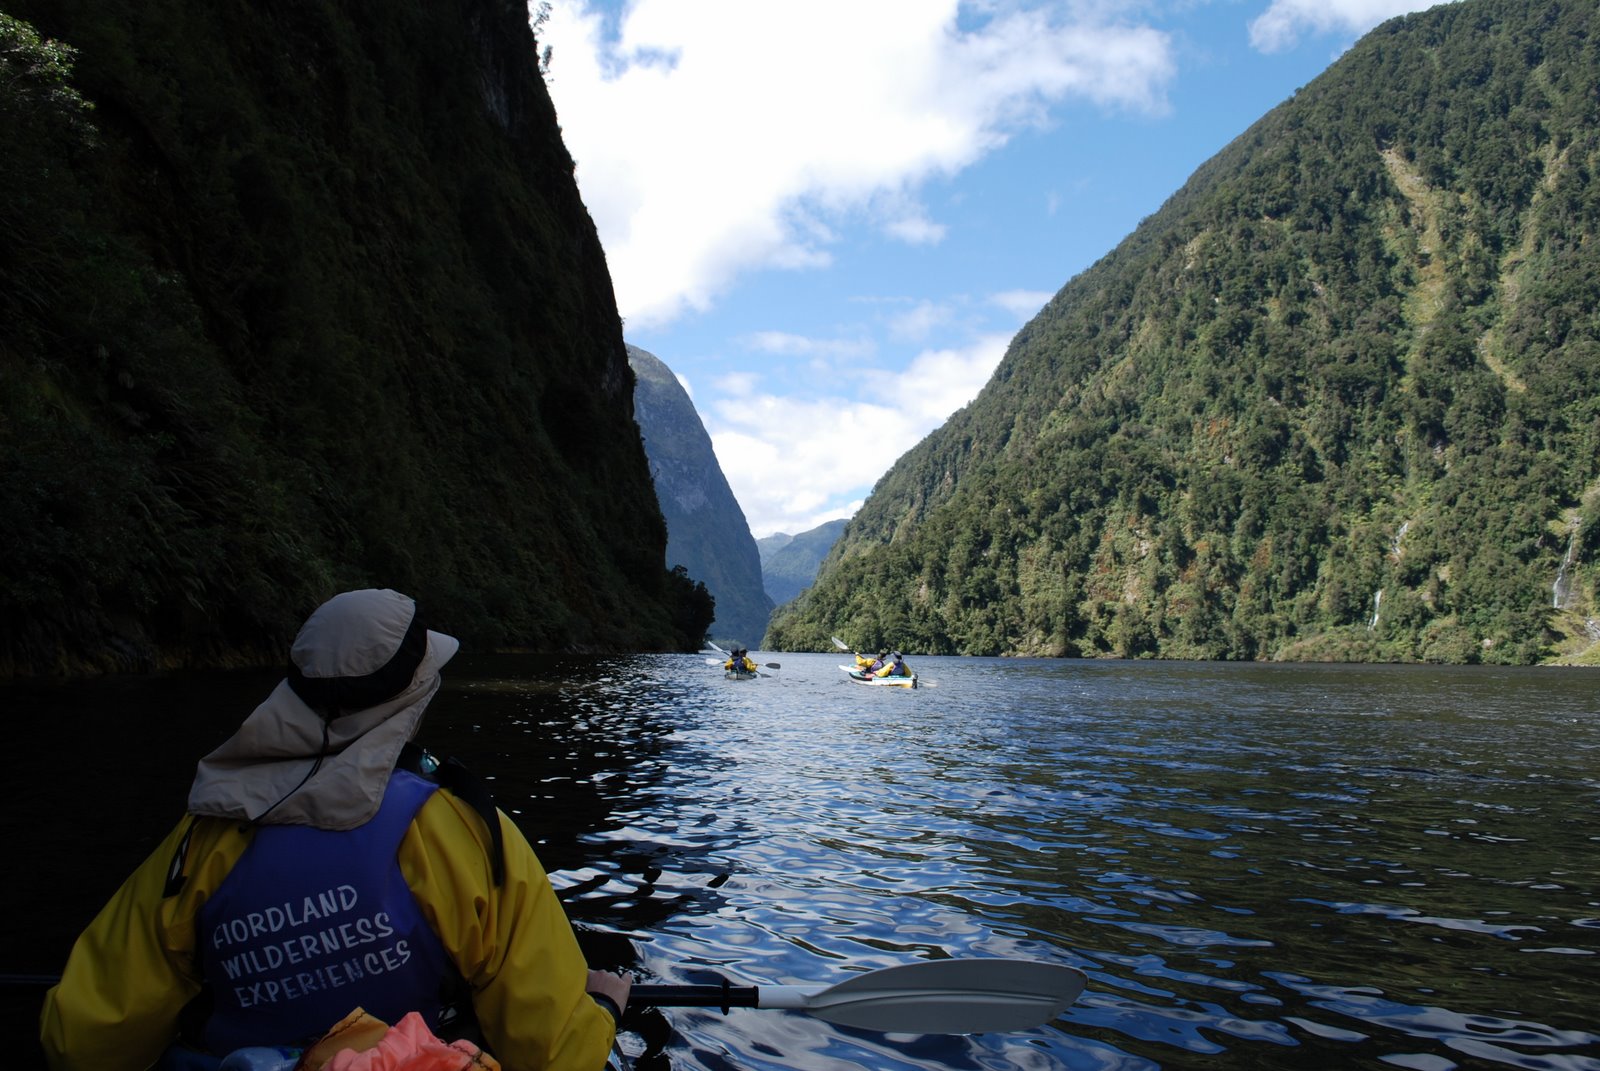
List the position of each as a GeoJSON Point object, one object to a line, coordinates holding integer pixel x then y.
{"type": "Point", "coordinates": [133, 969]}
{"type": "Point", "coordinates": [512, 942]}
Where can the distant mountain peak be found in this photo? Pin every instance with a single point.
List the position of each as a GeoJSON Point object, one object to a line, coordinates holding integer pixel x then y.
{"type": "Point", "coordinates": [706, 529]}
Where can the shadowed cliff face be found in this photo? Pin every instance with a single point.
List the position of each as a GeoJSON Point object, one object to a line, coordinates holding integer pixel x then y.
{"type": "Point", "coordinates": [296, 301]}
{"type": "Point", "coordinates": [706, 530]}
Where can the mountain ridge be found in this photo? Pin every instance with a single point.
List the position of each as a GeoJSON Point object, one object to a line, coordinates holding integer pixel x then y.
{"type": "Point", "coordinates": [706, 529]}
{"type": "Point", "coordinates": [789, 563]}
{"type": "Point", "coordinates": [1331, 401]}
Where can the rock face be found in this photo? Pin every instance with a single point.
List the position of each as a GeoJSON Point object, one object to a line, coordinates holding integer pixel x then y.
{"type": "Point", "coordinates": [789, 563]}
{"type": "Point", "coordinates": [706, 530]}
{"type": "Point", "coordinates": [298, 298]}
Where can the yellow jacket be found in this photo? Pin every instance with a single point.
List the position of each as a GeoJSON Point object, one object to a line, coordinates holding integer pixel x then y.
{"type": "Point", "coordinates": [136, 966]}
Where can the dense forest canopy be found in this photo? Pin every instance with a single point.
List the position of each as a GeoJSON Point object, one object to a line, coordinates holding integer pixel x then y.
{"type": "Point", "coordinates": [295, 299]}
{"type": "Point", "coordinates": [1338, 399]}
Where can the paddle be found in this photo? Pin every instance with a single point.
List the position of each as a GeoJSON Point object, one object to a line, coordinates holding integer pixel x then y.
{"type": "Point", "coordinates": [30, 979]}
{"type": "Point", "coordinates": [944, 996]}
{"type": "Point", "coordinates": [941, 996]}
{"type": "Point", "coordinates": [729, 654]}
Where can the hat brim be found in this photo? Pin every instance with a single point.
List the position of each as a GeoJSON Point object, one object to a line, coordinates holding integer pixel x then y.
{"type": "Point", "coordinates": [441, 649]}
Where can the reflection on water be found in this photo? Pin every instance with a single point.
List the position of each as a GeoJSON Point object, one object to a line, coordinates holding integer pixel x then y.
{"type": "Point", "coordinates": [1257, 866]}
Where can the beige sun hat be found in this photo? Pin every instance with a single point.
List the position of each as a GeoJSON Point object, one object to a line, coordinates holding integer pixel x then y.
{"type": "Point", "coordinates": [320, 749]}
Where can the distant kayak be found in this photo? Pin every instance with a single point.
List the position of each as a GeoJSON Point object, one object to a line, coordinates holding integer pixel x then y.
{"type": "Point", "coordinates": [882, 682]}
{"type": "Point", "coordinates": [740, 674]}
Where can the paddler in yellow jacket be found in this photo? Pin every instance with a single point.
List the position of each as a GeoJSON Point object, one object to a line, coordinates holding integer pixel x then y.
{"type": "Point", "coordinates": [312, 876]}
{"type": "Point", "coordinates": [867, 664]}
{"type": "Point", "coordinates": [889, 665]}
{"type": "Point", "coordinates": [739, 661]}
{"type": "Point", "coordinates": [897, 666]}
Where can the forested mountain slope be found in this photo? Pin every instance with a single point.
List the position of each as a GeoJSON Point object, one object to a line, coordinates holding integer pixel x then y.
{"type": "Point", "coordinates": [1339, 398]}
{"type": "Point", "coordinates": [706, 530]}
{"type": "Point", "coordinates": [789, 564]}
{"type": "Point", "coordinates": [298, 298]}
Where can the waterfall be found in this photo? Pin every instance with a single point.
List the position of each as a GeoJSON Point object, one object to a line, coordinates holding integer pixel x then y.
{"type": "Point", "coordinates": [1561, 590]}
{"type": "Point", "coordinates": [1394, 544]}
{"type": "Point", "coordinates": [1377, 601]}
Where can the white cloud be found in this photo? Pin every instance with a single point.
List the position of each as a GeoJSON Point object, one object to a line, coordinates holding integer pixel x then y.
{"type": "Point", "coordinates": [916, 230]}
{"type": "Point", "coordinates": [1280, 26]}
{"type": "Point", "coordinates": [919, 321]}
{"type": "Point", "coordinates": [1023, 304]}
{"type": "Point", "coordinates": [939, 382]}
{"type": "Point", "coordinates": [814, 458]}
{"type": "Point", "coordinates": [785, 344]}
{"type": "Point", "coordinates": [715, 137]}
{"type": "Point", "coordinates": [740, 386]}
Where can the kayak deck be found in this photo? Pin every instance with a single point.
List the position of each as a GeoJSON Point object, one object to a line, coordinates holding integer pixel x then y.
{"type": "Point", "coordinates": [880, 682]}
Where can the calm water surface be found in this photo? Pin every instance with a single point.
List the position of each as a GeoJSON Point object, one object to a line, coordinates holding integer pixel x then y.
{"type": "Point", "coordinates": [1257, 866]}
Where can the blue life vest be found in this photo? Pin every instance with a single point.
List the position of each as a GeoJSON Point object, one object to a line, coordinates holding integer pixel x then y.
{"type": "Point", "coordinates": [312, 923]}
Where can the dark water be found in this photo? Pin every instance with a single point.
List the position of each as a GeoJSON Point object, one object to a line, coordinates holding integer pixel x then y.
{"type": "Point", "coordinates": [1257, 866]}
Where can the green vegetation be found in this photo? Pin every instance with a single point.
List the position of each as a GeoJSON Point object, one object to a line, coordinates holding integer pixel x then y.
{"type": "Point", "coordinates": [789, 564]}
{"type": "Point", "coordinates": [295, 302]}
{"type": "Point", "coordinates": [1338, 399]}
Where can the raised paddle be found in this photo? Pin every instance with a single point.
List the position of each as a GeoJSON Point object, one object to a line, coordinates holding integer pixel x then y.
{"type": "Point", "coordinates": [942, 996]}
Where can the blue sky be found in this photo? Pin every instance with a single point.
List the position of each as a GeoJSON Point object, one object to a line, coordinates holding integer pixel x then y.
{"type": "Point", "coordinates": [830, 217]}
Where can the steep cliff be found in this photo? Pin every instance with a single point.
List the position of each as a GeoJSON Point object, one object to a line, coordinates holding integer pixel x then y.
{"type": "Point", "coordinates": [1335, 400]}
{"type": "Point", "coordinates": [300, 298]}
{"type": "Point", "coordinates": [706, 530]}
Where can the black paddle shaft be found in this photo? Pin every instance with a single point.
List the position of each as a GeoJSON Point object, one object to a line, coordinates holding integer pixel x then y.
{"type": "Point", "coordinates": [722, 996]}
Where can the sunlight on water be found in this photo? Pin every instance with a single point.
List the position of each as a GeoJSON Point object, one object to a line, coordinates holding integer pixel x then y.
{"type": "Point", "coordinates": [1270, 866]}
{"type": "Point", "coordinates": [1257, 866]}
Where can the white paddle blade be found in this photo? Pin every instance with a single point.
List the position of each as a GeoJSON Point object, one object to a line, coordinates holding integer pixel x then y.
{"type": "Point", "coordinates": [950, 996]}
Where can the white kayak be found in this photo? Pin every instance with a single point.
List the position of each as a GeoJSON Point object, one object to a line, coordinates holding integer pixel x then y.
{"type": "Point", "coordinates": [882, 682]}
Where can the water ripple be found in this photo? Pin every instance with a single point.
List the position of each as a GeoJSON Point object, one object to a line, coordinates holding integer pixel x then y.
{"type": "Point", "coordinates": [1296, 867]}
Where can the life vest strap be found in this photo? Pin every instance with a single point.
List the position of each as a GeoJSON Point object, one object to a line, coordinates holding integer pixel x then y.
{"type": "Point", "coordinates": [466, 786]}
{"type": "Point", "coordinates": [175, 869]}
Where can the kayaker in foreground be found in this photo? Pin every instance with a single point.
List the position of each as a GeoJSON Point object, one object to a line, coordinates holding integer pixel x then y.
{"type": "Point", "coordinates": [311, 876]}
{"type": "Point", "coordinates": [739, 661]}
